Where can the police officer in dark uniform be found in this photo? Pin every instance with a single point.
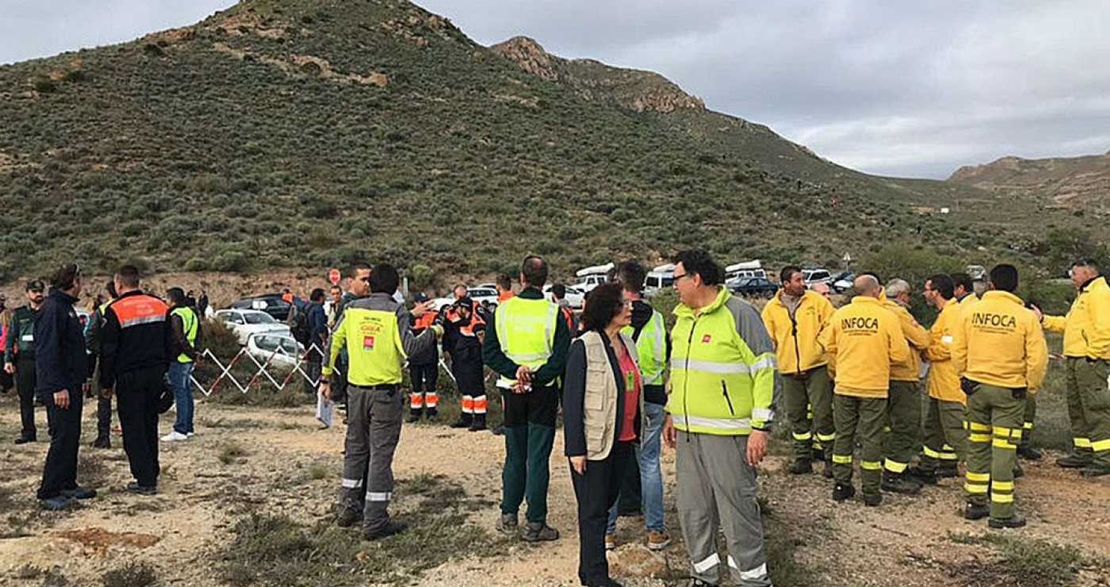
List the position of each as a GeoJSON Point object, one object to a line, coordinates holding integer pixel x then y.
{"type": "Point", "coordinates": [19, 356]}
{"type": "Point", "coordinates": [62, 373]}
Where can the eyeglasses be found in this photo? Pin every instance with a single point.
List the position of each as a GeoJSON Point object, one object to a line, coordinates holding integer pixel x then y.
{"type": "Point", "coordinates": [678, 278]}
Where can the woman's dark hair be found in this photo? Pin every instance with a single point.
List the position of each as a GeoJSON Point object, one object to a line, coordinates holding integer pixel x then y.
{"type": "Point", "coordinates": [602, 304]}
{"type": "Point", "coordinates": [317, 295]}
{"type": "Point", "coordinates": [384, 279]}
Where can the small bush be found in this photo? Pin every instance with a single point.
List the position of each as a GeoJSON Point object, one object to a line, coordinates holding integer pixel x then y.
{"type": "Point", "coordinates": [231, 452]}
{"type": "Point", "coordinates": [133, 574]}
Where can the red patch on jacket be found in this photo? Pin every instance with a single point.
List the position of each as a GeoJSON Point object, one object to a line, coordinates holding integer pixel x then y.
{"type": "Point", "coordinates": [705, 339]}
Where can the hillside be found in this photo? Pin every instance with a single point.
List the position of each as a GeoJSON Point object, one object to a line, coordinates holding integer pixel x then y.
{"type": "Point", "coordinates": [297, 133]}
{"type": "Point", "coordinates": [1076, 183]}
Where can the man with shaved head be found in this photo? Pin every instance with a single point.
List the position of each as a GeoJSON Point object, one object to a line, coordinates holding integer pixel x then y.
{"type": "Point", "coordinates": [863, 340]}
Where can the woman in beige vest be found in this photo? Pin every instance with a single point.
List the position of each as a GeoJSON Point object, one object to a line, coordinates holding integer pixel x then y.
{"type": "Point", "coordinates": [602, 406]}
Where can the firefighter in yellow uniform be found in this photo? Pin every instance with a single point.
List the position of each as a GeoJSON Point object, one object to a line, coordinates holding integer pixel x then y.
{"type": "Point", "coordinates": [904, 399]}
{"type": "Point", "coordinates": [1000, 353]}
{"type": "Point", "coordinates": [863, 340]}
{"type": "Point", "coordinates": [945, 437]}
{"type": "Point", "coordinates": [794, 318]}
{"type": "Point", "coordinates": [1086, 331]}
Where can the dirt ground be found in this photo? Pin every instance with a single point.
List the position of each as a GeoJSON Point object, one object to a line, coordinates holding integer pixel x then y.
{"type": "Point", "coordinates": [247, 459]}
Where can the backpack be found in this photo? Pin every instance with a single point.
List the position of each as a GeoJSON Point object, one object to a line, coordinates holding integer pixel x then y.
{"type": "Point", "coordinates": [298, 325]}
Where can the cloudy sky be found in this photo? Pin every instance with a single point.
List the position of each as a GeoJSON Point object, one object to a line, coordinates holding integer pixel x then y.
{"type": "Point", "coordinates": [897, 88]}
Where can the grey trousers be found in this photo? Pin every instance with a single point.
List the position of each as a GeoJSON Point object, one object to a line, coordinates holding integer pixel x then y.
{"type": "Point", "coordinates": [717, 489]}
{"type": "Point", "coordinates": [373, 429]}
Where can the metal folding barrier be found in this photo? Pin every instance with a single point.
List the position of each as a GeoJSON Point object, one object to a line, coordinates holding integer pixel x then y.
{"type": "Point", "coordinates": [262, 369]}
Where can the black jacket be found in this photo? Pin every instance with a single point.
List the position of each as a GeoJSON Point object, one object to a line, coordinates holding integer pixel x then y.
{"type": "Point", "coordinates": [60, 358]}
{"type": "Point", "coordinates": [135, 335]}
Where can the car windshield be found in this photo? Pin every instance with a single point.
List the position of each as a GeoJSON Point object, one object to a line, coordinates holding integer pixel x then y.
{"type": "Point", "coordinates": [259, 318]}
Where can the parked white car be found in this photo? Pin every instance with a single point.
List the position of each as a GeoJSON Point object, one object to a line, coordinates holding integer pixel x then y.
{"type": "Point", "coordinates": [282, 347]}
{"type": "Point", "coordinates": [576, 298]}
{"type": "Point", "coordinates": [817, 275]}
{"type": "Point", "coordinates": [244, 323]}
{"type": "Point", "coordinates": [480, 294]}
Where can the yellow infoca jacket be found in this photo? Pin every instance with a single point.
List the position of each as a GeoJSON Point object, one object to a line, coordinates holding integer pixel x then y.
{"type": "Point", "coordinates": [795, 339]}
{"type": "Point", "coordinates": [1000, 342]}
{"type": "Point", "coordinates": [916, 336]}
{"type": "Point", "coordinates": [863, 340]}
{"type": "Point", "coordinates": [1086, 327]}
{"type": "Point", "coordinates": [944, 382]}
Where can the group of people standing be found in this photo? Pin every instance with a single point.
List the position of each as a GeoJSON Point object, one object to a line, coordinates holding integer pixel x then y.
{"type": "Point", "coordinates": [607, 376]}
{"type": "Point", "coordinates": [135, 348]}
{"type": "Point", "coordinates": [853, 375]}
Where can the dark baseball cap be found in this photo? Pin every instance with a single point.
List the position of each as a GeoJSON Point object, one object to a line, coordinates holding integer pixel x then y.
{"type": "Point", "coordinates": [36, 286]}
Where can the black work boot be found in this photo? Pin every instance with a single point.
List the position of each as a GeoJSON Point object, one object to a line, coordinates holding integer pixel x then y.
{"type": "Point", "coordinates": [1076, 460]}
{"type": "Point", "coordinates": [539, 532]}
{"type": "Point", "coordinates": [431, 413]}
{"type": "Point", "coordinates": [800, 467]}
{"type": "Point", "coordinates": [1018, 471]}
{"type": "Point", "coordinates": [464, 421]}
{"type": "Point", "coordinates": [102, 442]}
{"type": "Point", "coordinates": [947, 471]}
{"type": "Point", "coordinates": [1095, 470]}
{"type": "Point", "coordinates": [843, 491]}
{"type": "Point", "coordinates": [347, 517]}
{"type": "Point", "coordinates": [478, 423]}
{"type": "Point", "coordinates": [925, 476]}
{"type": "Point", "coordinates": [1014, 521]}
{"type": "Point", "coordinates": [1029, 453]}
{"type": "Point", "coordinates": [24, 439]}
{"type": "Point", "coordinates": [391, 528]}
{"type": "Point", "coordinates": [976, 512]}
{"type": "Point", "coordinates": [900, 483]}
{"type": "Point", "coordinates": [872, 500]}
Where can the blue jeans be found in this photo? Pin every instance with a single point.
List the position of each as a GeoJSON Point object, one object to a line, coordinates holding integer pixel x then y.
{"type": "Point", "coordinates": [183, 396]}
{"type": "Point", "coordinates": [651, 476]}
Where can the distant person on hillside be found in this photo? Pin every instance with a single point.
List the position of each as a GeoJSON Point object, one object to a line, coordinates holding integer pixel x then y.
{"type": "Point", "coordinates": [202, 304]}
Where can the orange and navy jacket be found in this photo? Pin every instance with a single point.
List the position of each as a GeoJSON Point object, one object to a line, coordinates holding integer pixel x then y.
{"type": "Point", "coordinates": [135, 335]}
